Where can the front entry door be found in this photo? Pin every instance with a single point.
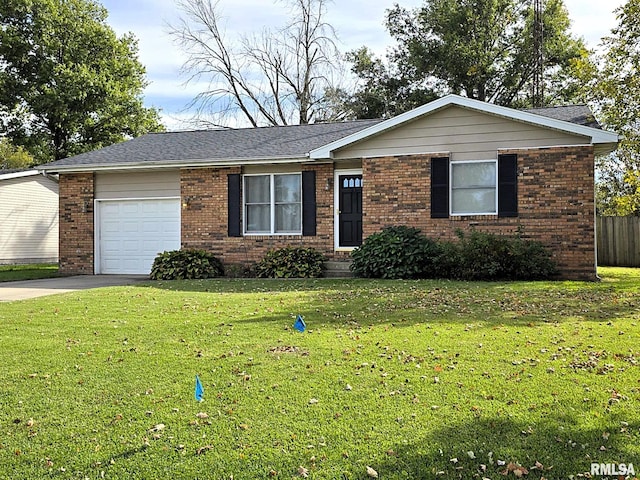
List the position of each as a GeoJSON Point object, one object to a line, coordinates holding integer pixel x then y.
{"type": "Point", "coordinates": [350, 210]}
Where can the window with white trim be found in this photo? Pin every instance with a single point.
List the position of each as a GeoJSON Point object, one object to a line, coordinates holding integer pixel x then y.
{"type": "Point", "coordinates": [474, 188]}
{"type": "Point", "coordinates": [273, 204]}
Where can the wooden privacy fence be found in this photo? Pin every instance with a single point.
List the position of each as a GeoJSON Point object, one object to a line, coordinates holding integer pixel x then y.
{"type": "Point", "coordinates": [618, 241]}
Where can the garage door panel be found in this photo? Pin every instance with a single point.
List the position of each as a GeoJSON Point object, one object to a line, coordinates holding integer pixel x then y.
{"type": "Point", "coordinates": [133, 232]}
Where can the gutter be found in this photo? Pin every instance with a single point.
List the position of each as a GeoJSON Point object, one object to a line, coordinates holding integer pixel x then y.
{"type": "Point", "coordinates": [44, 169]}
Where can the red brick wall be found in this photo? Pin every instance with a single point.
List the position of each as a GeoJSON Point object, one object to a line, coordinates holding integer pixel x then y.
{"type": "Point", "coordinates": [555, 203]}
{"type": "Point", "coordinates": [76, 224]}
{"type": "Point", "coordinates": [204, 217]}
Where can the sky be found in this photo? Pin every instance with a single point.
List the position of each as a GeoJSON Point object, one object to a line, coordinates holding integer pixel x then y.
{"type": "Point", "coordinates": [357, 23]}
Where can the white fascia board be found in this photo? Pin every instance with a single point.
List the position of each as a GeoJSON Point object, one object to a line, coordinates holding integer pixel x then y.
{"type": "Point", "coordinates": [180, 165]}
{"type": "Point", "coordinates": [596, 135]}
{"type": "Point", "coordinates": [24, 173]}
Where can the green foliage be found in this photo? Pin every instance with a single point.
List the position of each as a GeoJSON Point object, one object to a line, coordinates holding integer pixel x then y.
{"type": "Point", "coordinates": [613, 88]}
{"type": "Point", "coordinates": [12, 156]}
{"type": "Point", "coordinates": [291, 262]}
{"type": "Point", "coordinates": [403, 252]}
{"type": "Point", "coordinates": [394, 252]}
{"type": "Point", "coordinates": [481, 49]}
{"type": "Point", "coordinates": [485, 256]}
{"type": "Point", "coordinates": [384, 92]}
{"type": "Point", "coordinates": [185, 264]}
{"type": "Point", "coordinates": [68, 84]}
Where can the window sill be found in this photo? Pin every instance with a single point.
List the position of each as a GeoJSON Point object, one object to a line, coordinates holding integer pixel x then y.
{"type": "Point", "coordinates": [254, 235]}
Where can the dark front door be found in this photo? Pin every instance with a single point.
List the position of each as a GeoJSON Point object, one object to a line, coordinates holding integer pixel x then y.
{"type": "Point", "coordinates": [350, 208]}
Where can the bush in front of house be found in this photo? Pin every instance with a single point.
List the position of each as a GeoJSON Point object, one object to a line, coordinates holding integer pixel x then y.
{"type": "Point", "coordinates": [403, 252]}
{"type": "Point", "coordinates": [291, 262]}
{"type": "Point", "coordinates": [186, 265]}
{"type": "Point", "coordinates": [486, 256]}
{"type": "Point", "coordinates": [481, 256]}
{"type": "Point", "coordinates": [395, 252]}
{"type": "Point", "coordinates": [530, 260]}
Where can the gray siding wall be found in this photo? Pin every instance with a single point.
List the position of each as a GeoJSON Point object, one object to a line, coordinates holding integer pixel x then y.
{"type": "Point", "coordinates": [465, 134]}
{"type": "Point", "coordinates": [137, 185]}
{"type": "Point", "coordinates": [28, 220]}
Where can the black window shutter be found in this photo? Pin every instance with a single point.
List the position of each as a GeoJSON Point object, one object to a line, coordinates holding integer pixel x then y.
{"type": "Point", "coordinates": [440, 187]}
{"type": "Point", "coordinates": [234, 202]}
{"type": "Point", "coordinates": [508, 185]}
{"type": "Point", "coordinates": [309, 203]}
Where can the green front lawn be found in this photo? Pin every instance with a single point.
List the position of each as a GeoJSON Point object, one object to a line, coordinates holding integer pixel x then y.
{"type": "Point", "coordinates": [34, 271]}
{"type": "Point", "coordinates": [414, 379]}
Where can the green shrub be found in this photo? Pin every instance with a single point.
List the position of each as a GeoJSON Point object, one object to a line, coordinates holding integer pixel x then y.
{"type": "Point", "coordinates": [530, 260]}
{"type": "Point", "coordinates": [485, 256]}
{"type": "Point", "coordinates": [395, 252]}
{"type": "Point", "coordinates": [291, 262]}
{"type": "Point", "coordinates": [403, 252]}
{"type": "Point", "coordinates": [185, 264]}
{"type": "Point", "coordinates": [481, 256]}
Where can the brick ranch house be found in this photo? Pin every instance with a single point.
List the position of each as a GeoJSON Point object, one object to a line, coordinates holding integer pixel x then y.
{"type": "Point", "coordinates": [451, 164]}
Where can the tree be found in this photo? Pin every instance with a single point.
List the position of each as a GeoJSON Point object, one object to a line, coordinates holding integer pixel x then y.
{"type": "Point", "coordinates": [12, 156]}
{"type": "Point", "coordinates": [67, 83]}
{"type": "Point", "coordinates": [481, 49]}
{"type": "Point", "coordinates": [384, 91]}
{"type": "Point", "coordinates": [273, 78]}
{"type": "Point", "coordinates": [614, 90]}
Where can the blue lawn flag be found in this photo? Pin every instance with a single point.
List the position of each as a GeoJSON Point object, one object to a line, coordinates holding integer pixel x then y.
{"type": "Point", "coordinates": [199, 389]}
{"type": "Point", "coordinates": [300, 325]}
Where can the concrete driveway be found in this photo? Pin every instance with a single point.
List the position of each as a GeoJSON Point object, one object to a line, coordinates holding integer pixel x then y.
{"type": "Point", "coordinates": [10, 291]}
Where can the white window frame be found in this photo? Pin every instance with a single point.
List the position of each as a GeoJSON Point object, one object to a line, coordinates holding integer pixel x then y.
{"type": "Point", "coordinates": [272, 204]}
{"type": "Point", "coordinates": [451, 189]}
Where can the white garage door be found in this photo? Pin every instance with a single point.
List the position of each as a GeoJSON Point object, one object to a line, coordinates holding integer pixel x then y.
{"type": "Point", "coordinates": [132, 232]}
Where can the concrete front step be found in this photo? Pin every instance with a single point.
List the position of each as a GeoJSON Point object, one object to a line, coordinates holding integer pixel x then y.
{"type": "Point", "coordinates": [337, 269]}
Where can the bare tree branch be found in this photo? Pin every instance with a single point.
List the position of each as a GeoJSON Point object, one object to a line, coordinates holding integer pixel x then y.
{"type": "Point", "coordinates": [276, 77]}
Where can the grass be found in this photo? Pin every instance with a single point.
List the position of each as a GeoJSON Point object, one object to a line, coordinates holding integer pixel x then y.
{"type": "Point", "coordinates": [34, 271]}
{"type": "Point", "coordinates": [415, 379]}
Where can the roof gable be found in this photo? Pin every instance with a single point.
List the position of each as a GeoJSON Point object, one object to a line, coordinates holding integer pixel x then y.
{"type": "Point", "coordinates": [596, 135]}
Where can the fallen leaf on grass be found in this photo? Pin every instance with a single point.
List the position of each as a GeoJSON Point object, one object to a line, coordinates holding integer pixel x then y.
{"type": "Point", "coordinates": [157, 428]}
{"type": "Point", "coordinates": [313, 401]}
{"type": "Point", "coordinates": [518, 471]}
{"type": "Point", "coordinates": [538, 466]}
{"type": "Point", "coordinates": [202, 415]}
{"type": "Point", "coordinates": [303, 472]}
{"type": "Point", "coordinates": [372, 473]}
{"type": "Point", "coordinates": [204, 449]}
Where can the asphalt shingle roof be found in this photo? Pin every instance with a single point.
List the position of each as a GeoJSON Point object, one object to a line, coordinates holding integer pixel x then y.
{"type": "Point", "coordinates": [295, 141]}
{"type": "Point", "coordinates": [578, 114]}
